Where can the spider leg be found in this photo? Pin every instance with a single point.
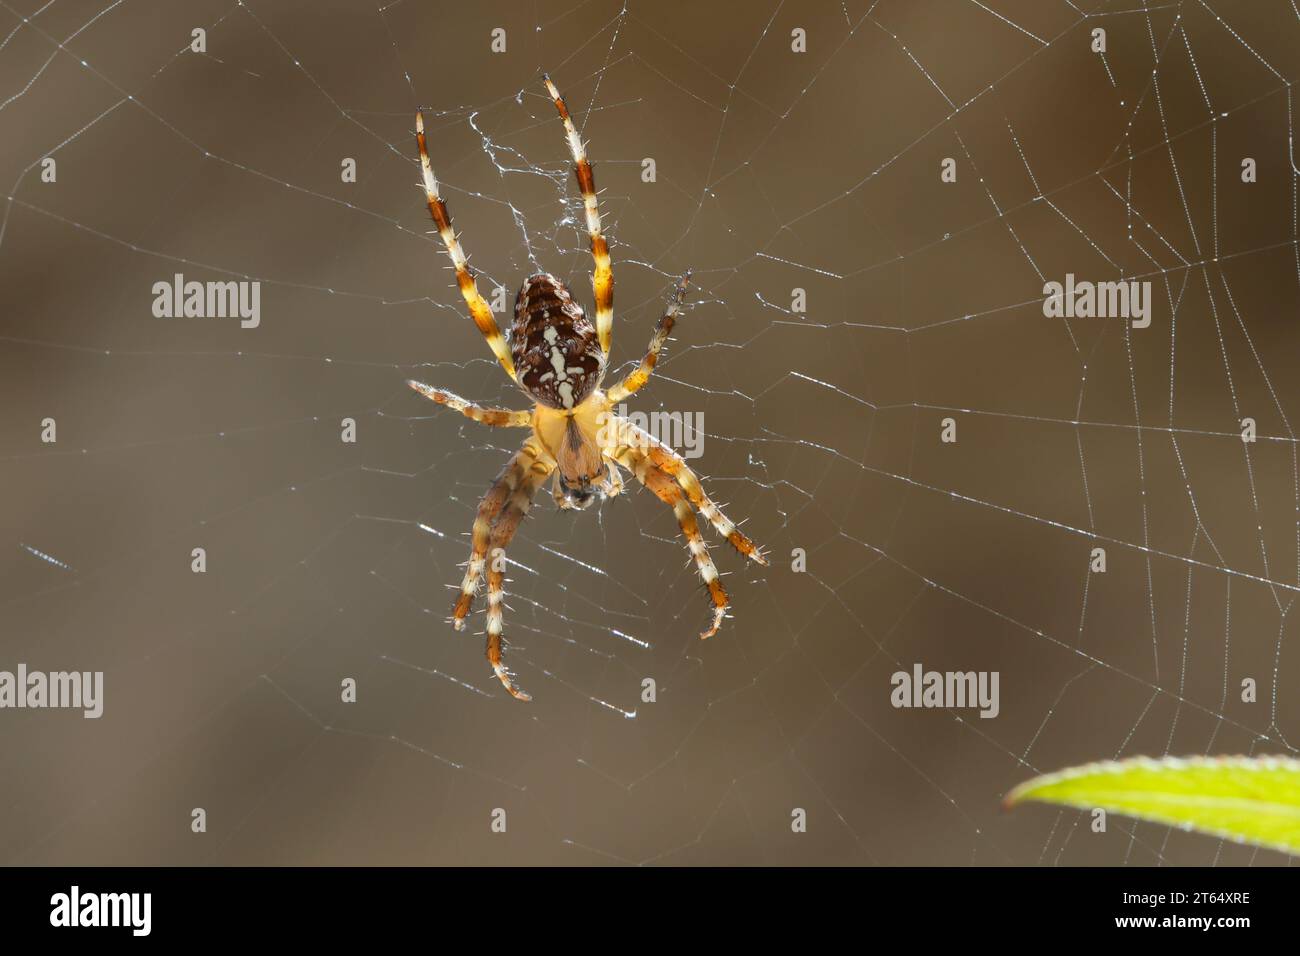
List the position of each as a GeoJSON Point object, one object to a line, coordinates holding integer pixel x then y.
{"type": "Point", "coordinates": [515, 473]}
{"type": "Point", "coordinates": [636, 379]}
{"type": "Point", "coordinates": [602, 280]}
{"type": "Point", "coordinates": [667, 460]}
{"type": "Point", "coordinates": [478, 308]}
{"type": "Point", "coordinates": [667, 491]}
{"type": "Point", "coordinates": [496, 417]}
{"type": "Point", "coordinates": [515, 510]}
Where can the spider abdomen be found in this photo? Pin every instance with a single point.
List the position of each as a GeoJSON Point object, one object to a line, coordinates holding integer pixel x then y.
{"type": "Point", "coordinates": [556, 351]}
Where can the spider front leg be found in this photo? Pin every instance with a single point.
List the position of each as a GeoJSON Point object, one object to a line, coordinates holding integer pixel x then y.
{"type": "Point", "coordinates": [507, 523]}
{"type": "Point", "coordinates": [663, 329]}
{"type": "Point", "coordinates": [667, 460]}
{"type": "Point", "coordinates": [527, 462]}
{"type": "Point", "coordinates": [666, 490]}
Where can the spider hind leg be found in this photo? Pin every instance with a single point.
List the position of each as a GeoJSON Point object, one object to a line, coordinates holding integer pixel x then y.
{"type": "Point", "coordinates": [602, 277]}
{"type": "Point", "coordinates": [479, 310]}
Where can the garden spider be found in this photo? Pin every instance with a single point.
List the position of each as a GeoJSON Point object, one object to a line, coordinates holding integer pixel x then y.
{"type": "Point", "coordinates": [558, 358]}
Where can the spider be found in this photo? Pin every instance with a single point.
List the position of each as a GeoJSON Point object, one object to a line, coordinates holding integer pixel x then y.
{"type": "Point", "coordinates": [559, 359]}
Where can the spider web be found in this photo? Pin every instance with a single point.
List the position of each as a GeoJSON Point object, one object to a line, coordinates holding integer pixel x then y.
{"type": "Point", "coordinates": [774, 171]}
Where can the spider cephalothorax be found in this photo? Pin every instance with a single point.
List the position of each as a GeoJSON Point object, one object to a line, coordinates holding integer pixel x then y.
{"type": "Point", "coordinates": [558, 357]}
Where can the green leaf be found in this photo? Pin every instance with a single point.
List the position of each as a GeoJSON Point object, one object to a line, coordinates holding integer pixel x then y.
{"type": "Point", "coordinates": [1249, 799]}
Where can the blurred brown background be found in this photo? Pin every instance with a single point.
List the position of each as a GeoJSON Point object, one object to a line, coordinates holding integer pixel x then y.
{"type": "Point", "coordinates": [776, 170]}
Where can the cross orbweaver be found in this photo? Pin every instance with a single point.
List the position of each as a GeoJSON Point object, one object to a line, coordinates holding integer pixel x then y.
{"type": "Point", "coordinates": [559, 359]}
